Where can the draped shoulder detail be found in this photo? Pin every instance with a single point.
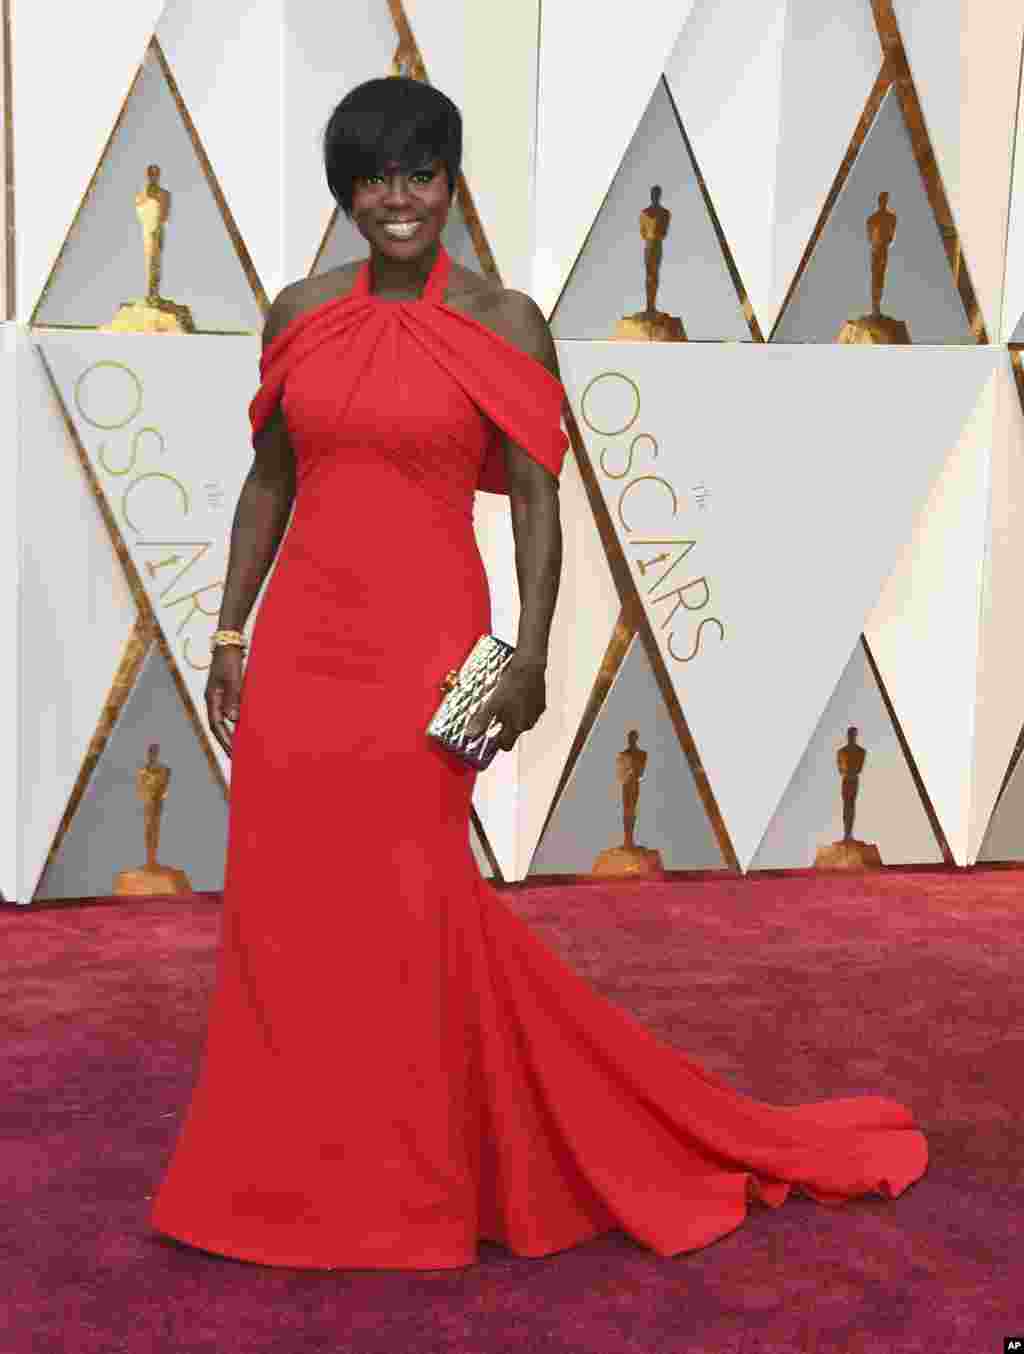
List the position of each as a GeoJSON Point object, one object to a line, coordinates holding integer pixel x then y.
{"type": "Point", "coordinates": [520, 397]}
{"type": "Point", "coordinates": [336, 321]}
{"type": "Point", "coordinates": [516, 393]}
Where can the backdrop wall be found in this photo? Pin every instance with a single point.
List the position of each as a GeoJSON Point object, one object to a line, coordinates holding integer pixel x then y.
{"type": "Point", "coordinates": [768, 538]}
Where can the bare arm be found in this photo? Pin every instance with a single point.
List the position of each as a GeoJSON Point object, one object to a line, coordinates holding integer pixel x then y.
{"type": "Point", "coordinates": [264, 504]}
{"type": "Point", "coordinates": [519, 699]}
{"type": "Point", "coordinates": [261, 516]}
{"type": "Point", "coordinates": [533, 498]}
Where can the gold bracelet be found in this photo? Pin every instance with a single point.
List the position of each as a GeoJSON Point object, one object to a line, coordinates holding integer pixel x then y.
{"type": "Point", "coordinates": [228, 637]}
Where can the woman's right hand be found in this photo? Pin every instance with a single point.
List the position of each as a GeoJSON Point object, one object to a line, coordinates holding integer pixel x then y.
{"type": "Point", "coordinates": [224, 693]}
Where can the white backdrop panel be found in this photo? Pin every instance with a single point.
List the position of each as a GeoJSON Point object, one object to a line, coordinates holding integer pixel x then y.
{"type": "Point", "coordinates": [1000, 690]}
{"type": "Point", "coordinates": [889, 811]}
{"type": "Point", "coordinates": [923, 631]}
{"type": "Point", "coordinates": [10, 570]}
{"type": "Point", "coordinates": [724, 75]}
{"type": "Point", "coordinates": [965, 58]}
{"type": "Point", "coordinates": [589, 103]}
{"type": "Point", "coordinates": [226, 60]}
{"type": "Point", "coordinates": [164, 423]}
{"type": "Point", "coordinates": [1013, 291]}
{"type": "Point", "coordinates": [76, 616]}
{"type": "Point", "coordinates": [770, 96]}
{"type": "Point", "coordinates": [326, 50]}
{"type": "Point", "coordinates": [49, 45]}
{"type": "Point", "coordinates": [460, 41]}
{"type": "Point", "coordinates": [757, 610]}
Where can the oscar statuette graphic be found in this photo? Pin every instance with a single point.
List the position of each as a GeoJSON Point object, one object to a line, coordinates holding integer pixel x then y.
{"type": "Point", "coordinates": [154, 314]}
{"type": "Point", "coordinates": [849, 854]}
{"type": "Point", "coordinates": [151, 782]}
{"type": "Point", "coordinates": [652, 324]}
{"type": "Point", "coordinates": [629, 858]}
{"type": "Point", "coordinates": [876, 327]}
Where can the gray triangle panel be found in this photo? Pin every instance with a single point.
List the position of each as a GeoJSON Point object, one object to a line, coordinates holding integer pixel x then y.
{"type": "Point", "coordinates": [888, 809]}
{"type": "Point", "coordinates": [670, 814]}
{"type": "Point", "coordinates": [103, 264]}
{"type": "Point", "coordinates": [608, 279]}
{"type": "Point", "coordinates": [107, 832]}
{"type": "Point", "coordinates": [919, 286]}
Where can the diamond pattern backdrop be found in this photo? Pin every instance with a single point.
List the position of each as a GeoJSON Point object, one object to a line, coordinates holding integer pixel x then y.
{"type": "Point", "coordinates": [778, 542]}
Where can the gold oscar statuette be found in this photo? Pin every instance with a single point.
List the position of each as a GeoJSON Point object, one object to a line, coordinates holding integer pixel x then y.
{"type": "Point", "coordinates": [629, 858]}
{"type": "Point", "coordinates": [652, 324]}
{"type": "Point", "coordinates": [876, 327]}
{"type": "Point", "coordinates": [154, 314]}
{"type": "Point", "coordinates": [151, 782]}
{"type": "Point", "coordinates": [849, 854]}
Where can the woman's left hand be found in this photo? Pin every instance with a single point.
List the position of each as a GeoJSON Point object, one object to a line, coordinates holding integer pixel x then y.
{"type": "Point", "coordinates": [518, 701]}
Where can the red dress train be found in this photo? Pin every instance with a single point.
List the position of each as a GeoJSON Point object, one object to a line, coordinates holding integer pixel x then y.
{"type": "Point", "coordinates": [395, 1066]}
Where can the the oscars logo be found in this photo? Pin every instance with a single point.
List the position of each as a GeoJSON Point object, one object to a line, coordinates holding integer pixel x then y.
{"type": "Point", "coordinates": [849, 854]}
{"type": "Point", "coordinates": [876, 327]}
{"type": "Point", "coordinates": [652, 324]}
{"type": "Point", "coordinates": [151, 783]}
{"type": "Point", "coordinates": [629, 858]}
{"type": "Point", "coordinates": [154, 314]}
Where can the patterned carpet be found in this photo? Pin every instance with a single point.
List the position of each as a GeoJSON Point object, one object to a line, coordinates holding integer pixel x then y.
{"type": "Point", "coordinates": [904, 984]}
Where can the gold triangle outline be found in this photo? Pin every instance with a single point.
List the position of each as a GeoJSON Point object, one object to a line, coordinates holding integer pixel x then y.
{"type": "Point", "coordinates": [895, 75]}
{"type": "Point", "coordinates": [234, 234]}
{"type": "Point", "coordinates": [730, 263]}
{"type": "Point", "coordinates": [136, 651]}
{"type": "Point", "coordinates": [633, 610]}
{"type": "Point", "coordinates": [143, 605]}
{"type": "Point", "coordinates": [723, 244]}
{"type": "Point", "coordinates": [408, 49]}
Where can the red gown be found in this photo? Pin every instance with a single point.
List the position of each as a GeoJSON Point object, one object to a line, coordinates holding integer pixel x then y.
{"type": "Point", "coordinates": [395, 1065]}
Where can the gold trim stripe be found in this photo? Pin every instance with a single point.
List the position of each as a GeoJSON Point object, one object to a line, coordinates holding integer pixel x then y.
{"type": "Point", "coordinates": [85, 196]}
{"type": "Point", "coordinates": [864, 124]}
{"type": "Point", "coordinates": [134, 656]}
{"type": "Point", "coordinates": [723, 243]}
{"type": "Point", "coordinates": [244, 258]}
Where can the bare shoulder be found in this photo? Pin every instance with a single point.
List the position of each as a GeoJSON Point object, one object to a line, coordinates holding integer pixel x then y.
{"type": "Point", "coordinates": [306, 294]}
{"type": "Point", "coordinates": [512, 315]}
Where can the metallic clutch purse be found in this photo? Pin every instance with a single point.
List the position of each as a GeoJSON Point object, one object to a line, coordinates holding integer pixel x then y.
{"type": "Point", "coordinates": [466, 690]}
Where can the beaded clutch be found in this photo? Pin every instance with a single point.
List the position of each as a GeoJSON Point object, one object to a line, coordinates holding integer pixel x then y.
{"type": "Point", "coordinates": [466, 690]}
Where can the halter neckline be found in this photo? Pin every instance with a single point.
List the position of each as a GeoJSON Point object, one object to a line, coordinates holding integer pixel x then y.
{"type": "Point", "coordinates": [433, 290]}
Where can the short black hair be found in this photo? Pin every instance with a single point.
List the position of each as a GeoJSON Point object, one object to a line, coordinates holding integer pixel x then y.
{"type": "Point", "coordinates": [391, 118]}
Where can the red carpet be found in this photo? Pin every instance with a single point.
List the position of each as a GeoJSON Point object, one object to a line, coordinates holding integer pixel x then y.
{"type": "Point", "coordinates": [905, 984]}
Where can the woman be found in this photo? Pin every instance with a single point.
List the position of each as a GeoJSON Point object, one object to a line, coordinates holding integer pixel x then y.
{"type": "Point", "coordinates": [395, 1067]}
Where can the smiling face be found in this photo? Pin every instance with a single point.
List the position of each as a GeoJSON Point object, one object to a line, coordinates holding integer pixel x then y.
{"type": "Point", "coordinates": [401, 212]}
